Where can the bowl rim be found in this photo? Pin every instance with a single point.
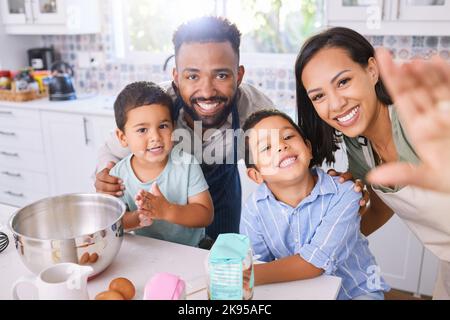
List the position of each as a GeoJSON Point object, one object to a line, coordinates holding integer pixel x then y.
{"type": "Point", "coordinates": [14, 214]}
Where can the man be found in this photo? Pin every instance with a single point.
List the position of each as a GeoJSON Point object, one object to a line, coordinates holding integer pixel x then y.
{"type": "Point", "coordinates": [207, 88]}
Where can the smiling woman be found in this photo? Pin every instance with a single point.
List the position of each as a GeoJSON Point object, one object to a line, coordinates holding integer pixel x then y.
{"type": "Point", "coordinates": [339, 89]}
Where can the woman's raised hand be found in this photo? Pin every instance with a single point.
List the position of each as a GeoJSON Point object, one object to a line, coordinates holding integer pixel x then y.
{"type": "Point", "coordinates": [421, 93]}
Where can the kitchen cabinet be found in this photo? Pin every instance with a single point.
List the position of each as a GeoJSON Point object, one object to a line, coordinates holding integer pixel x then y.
{"type": "Point", "coordinates": [404, 262]}
{"type": "Point", "coordinates": [72, 142]}
{"type": "Point", "coordinates": [419, 10]}
{"type": "Point", "coordinates": [383, 17]}
{"type": "Point", "coordinates": [23, 170]}
{"type": "Point", "coordinates": [51, 16]}
{"type": "Point", "coordinates": [428, 274]}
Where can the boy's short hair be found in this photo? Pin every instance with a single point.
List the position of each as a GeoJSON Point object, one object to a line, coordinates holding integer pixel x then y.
{"type": "Point", "coordinates": [207, 29]}
{"type": "Point", "coordinates": [138, 94]}
{"type": "Point", "coordinates": [256, 118]}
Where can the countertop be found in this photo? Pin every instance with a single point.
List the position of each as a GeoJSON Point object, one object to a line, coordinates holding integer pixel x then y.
{"type": "Point", "coordinates": [140, 258]}
{"type": "Point", "coordinates": [89, 104]}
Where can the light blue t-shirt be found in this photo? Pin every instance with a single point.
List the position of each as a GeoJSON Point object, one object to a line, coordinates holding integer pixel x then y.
{"type": "Point", "coordinates": [180, 179]}
{"type": "Point", "coordinates": [324, 229]}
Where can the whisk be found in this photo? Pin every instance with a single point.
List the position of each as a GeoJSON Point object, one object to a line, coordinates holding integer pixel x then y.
{"type": "Point", "coordinates": [4, 241]}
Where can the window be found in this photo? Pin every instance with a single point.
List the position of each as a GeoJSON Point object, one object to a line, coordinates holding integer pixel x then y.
{"type": "Point", "coordinates": [267, 26]}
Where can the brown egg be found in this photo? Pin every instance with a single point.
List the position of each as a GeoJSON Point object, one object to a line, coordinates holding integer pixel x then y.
{"type": "Point", "coordinates": [84, 258]}
{"type": "Point", "coordinates": [109, 295]}
{"type": "Point", "coordinates": [93, 257]}
{"type": "Point", "coordinates": [124, 286]}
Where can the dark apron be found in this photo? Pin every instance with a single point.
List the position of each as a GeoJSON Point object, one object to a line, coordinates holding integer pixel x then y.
{"type": "Point", "coordinates": [224, 185]}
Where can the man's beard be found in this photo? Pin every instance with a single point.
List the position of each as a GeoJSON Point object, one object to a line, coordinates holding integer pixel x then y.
{"type": "Point", "coordinates": [213, 121]}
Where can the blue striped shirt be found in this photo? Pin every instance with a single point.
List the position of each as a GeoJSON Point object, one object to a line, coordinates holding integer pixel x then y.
{"type": "Point", "coordinates": [324, 229]}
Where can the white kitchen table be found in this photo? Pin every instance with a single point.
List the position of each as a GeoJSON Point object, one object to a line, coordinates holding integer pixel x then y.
{"type": "Point", "coordinates": [140, 258]}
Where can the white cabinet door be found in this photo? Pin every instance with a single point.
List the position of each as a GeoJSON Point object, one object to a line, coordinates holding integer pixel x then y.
{"type": "Point", "coordinates": [355, 10]}
{"type": "Point", "coordinates": [423, 10]}
{"type": "Point", "coordinates": [386, 17]}
{"type": "Point", "coordinates": [399, 254]}
{"type": "Point", "coordinates": [70, 151]}
{"type": "Point", "coordinates": [39, 17]}
{"type": "Point", "coordinates": [49, 11]}
{"type": "Point", "coordinates": [16, 11]}
{"type": "Point", "coordinates": [430, 266]}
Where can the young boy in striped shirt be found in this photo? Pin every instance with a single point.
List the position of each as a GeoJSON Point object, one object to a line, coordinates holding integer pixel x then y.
{"type": "Point", "coordinates": [300, 220]}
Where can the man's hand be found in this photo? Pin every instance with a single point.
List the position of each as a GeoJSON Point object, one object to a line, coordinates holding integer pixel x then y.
{"type": "Point", "coordinates": [153, 205]}
{"type": "Point", "coordinates": [421, 93]}
{"type": "Point", "coordinates": [104, 183]}
{"type": "Point", "coordinates": [359, 187]}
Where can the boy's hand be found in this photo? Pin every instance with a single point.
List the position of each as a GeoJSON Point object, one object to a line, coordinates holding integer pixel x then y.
{"type": "Point", "coordinates": [359, 187]}
{"type": "Point", "coordinates": [144, 219]}
{"type": "Point", "coordinates": [104, 183]}
{"type": "Point", "coordinates": [153, 204]}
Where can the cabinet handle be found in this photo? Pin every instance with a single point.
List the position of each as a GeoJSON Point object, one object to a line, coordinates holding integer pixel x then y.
{"type": "Point", "coordinates": [28, 10]}
{"type": "Point", "coordinates": [4, 133]}
{"type": "Point", "coordinates": [9, 154]}
{"type": "Point", "coordinates": [86, 139]}
{"type": "Point", "coordinates": [7, 113]}
{"type": "Point", "coordinates": [33, 5]}
{"type": "Point", "coordinates": [398, 9]}
{"type": "Point", "coordinates": [15, 175]}
{"type": "Point", "coordinates": [14, 194]}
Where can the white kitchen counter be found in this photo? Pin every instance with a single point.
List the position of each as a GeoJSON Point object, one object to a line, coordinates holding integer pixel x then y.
{"type": "Point", "coordinates": [88, 105]}
{"type": "Point", "coordinates": [140, 258]}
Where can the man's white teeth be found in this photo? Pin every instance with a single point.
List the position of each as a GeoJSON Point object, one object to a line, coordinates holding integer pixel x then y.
{"type": "Point", "coordinates": [287, 162]}
{"type": "Point", "coordinates": [349, 116]}
{"type": "Point", "coordinates": [208, 106]}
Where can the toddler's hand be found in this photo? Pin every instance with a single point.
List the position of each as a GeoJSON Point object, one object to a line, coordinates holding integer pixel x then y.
{"type": "Point", "coordinates": [153, 204]}
{"type": "Point", "coordinates": [142, 204]}
{"type": "Point", "coordinates": [144, 219]}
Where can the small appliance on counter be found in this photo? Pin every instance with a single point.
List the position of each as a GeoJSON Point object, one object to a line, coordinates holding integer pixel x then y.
{"type": "Point", "coordinates": [41, 58]}
{"type": "Point", "coordinates": [60, 87]}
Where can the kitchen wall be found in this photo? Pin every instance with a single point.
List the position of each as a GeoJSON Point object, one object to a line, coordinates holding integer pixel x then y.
{"type": "Point", "coordinates": [276, 82]}
{"type": "Point", "coordinates": [13, 49]}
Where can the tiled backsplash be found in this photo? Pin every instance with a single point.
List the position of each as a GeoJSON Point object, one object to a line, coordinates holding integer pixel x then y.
{"type": "Point", "coordinates": [277, 83]}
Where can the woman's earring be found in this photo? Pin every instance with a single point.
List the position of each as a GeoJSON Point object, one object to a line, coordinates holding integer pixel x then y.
{"type": "Point", "coordinates": [338, 134]}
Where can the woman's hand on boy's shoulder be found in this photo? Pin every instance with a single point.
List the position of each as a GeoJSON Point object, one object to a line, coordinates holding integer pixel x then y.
{"type": "Point", "coordinates": [359, 187]}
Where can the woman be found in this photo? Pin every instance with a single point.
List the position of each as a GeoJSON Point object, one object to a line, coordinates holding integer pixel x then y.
{"type": "Point", "coordinates": [340, 94]}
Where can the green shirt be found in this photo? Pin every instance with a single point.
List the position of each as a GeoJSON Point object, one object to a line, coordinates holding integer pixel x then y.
{"type": "Point", "coordinates": [357, 163]}
{"type": "Point", "coordinates": [181, 178]}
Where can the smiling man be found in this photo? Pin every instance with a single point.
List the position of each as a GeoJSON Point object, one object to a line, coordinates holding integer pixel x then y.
{"type": "Point", "coordinates": [207, 89]}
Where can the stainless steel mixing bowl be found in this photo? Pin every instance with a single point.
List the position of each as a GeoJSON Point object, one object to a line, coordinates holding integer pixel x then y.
{"type": "Point", "coordinates": [81, 228]}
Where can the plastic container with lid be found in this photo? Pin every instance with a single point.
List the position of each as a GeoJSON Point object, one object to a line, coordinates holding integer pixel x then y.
{"type": "Point", "coordinates": [230, 268]}
{"type": "Point", "coordinates": [165, 286]}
